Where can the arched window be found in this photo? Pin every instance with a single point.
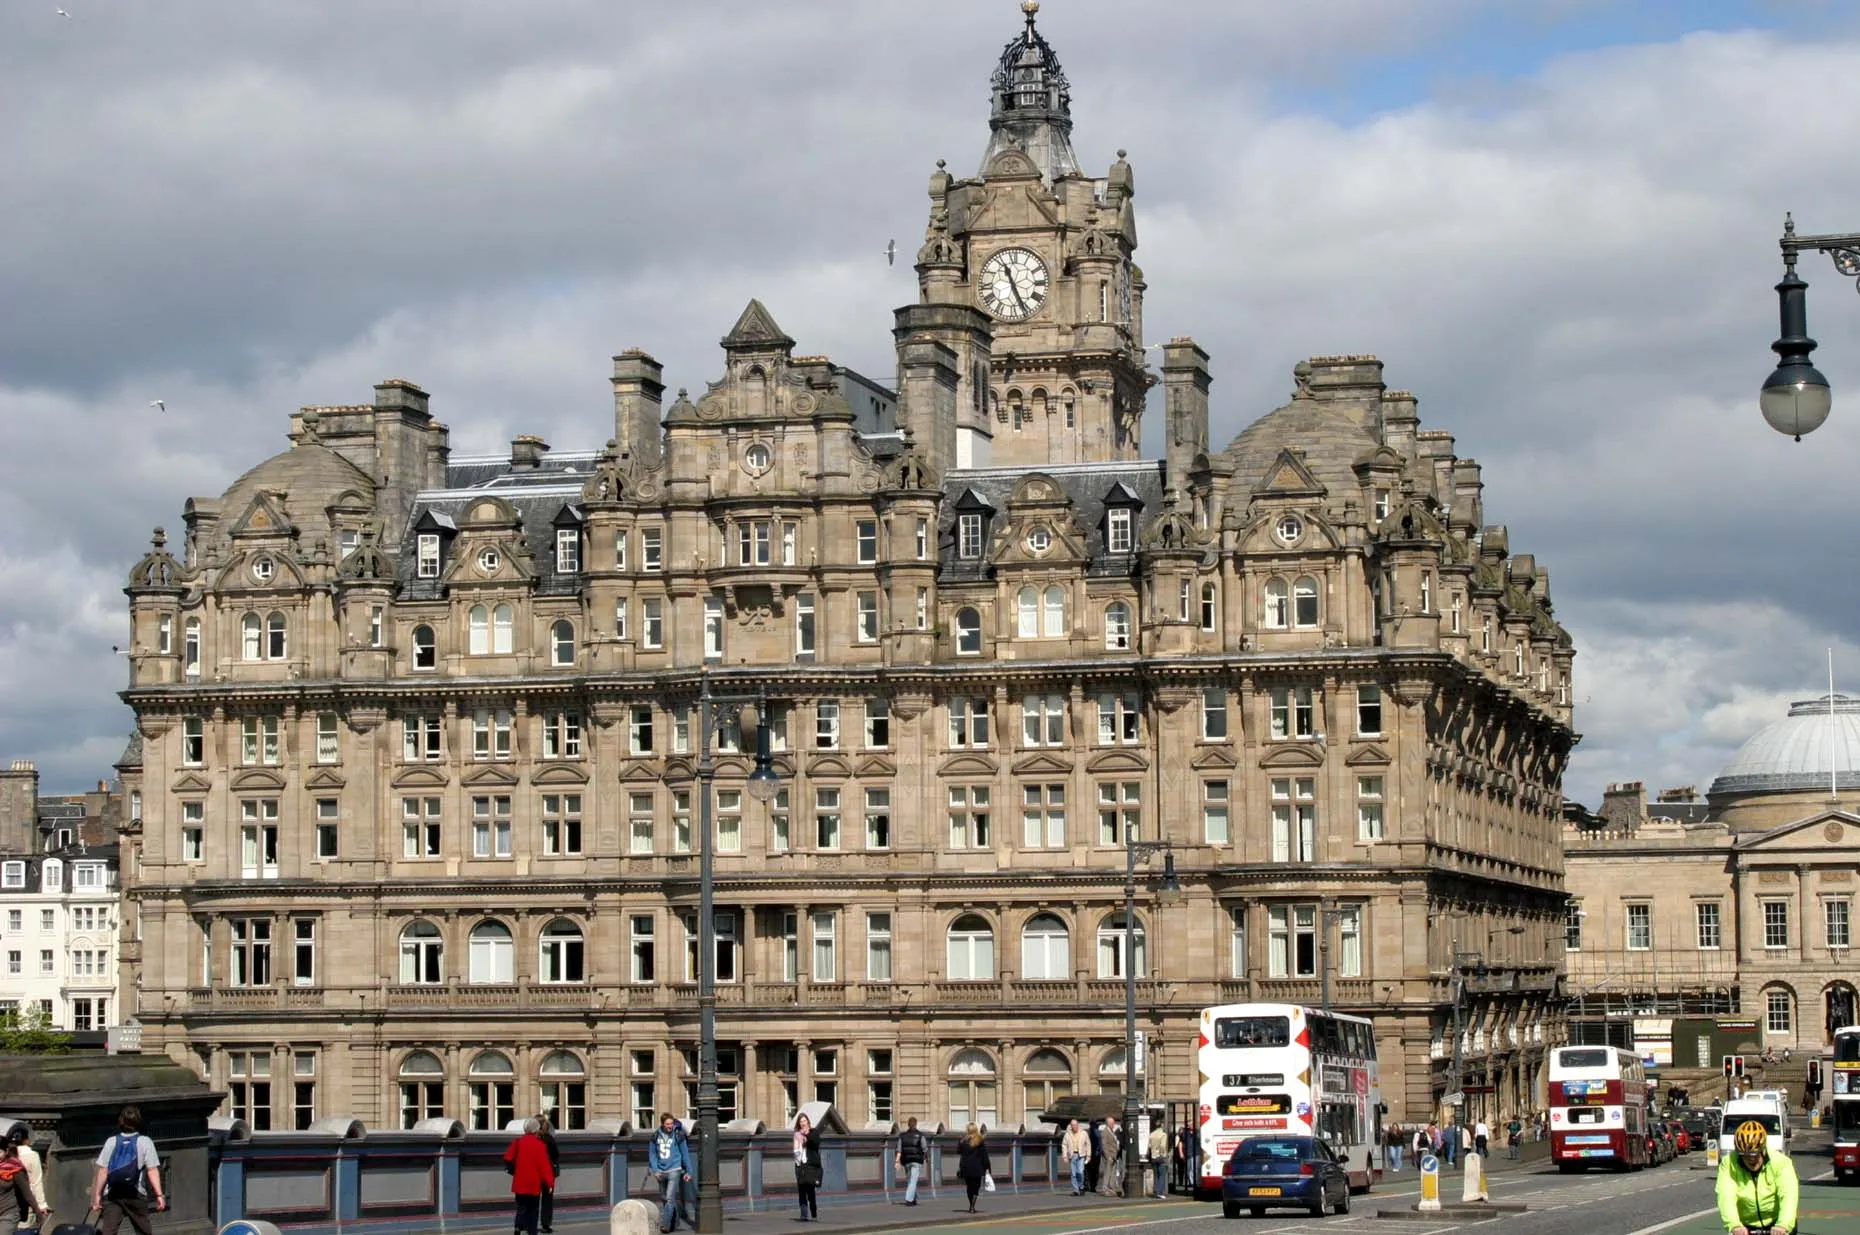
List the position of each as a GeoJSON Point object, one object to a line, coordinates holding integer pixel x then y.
{"type": "Point", "coordinates": [971, 949]}
{"type": "Point", "coordinates": [492, 1083]}
{"type": "Point", "coordinates": [564, 1090]}
{"type": "Point", "coordinates": [492, 953]}
{"type": "Point", "coordinates": [1278, 613]}
{"type": "Point", "coordinates": [968, 632]}
{"type": "Point", "coordinates": [972, 1089]}
{"type": "Point", "coordinates": [1045, 950]}
{"type": "Point", "coordinates": [502, 618]}
{"type": "Point", "coordinates": [1111, 1073]}
{"type": "Point", "coordinates": [252, 637]}
{"type": "Point", "coordinates": [478, 623]}
{"type": "Point", "coordinates": [1111, 947]}
{"type": "Point", "coordinates": [1117, 626]}
{"type": "Point", "coordinates": [422, 955]}
{"type": "Point", "coordinates": [425, 651]}
{"type": "Point", "coordinates": [1053, 613]}
{"type": "Point", "coordinates": [274, 637]}
{"type": "Point", "coordinates": [1027, 610]}
{"type": "Point", "coordinates": [1305, 602]}
{"type": "Point", "coordinates": [190, 648]}
{"type": "Point", "coordinates": [562, 643]}
{"type": "Point", "coordinates": [422, 1088]}
{"type": "Point", "coordinates": [563, 953]}
{"type": "Point", "coordinates": [1045, 1079]}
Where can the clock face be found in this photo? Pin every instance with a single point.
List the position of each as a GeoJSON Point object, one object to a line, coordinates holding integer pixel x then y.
{"type": "Point", "coordinates": [1014, 284]}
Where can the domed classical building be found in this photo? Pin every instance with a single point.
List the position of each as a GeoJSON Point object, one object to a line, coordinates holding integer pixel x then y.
{"type": "Point", "coordinates": [1738, 908]}
{"type": "Point", "coordinates": [423, 757]}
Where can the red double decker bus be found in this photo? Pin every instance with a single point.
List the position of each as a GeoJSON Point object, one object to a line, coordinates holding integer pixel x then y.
{"type": "Point", "coordinates": [1599, 1108]}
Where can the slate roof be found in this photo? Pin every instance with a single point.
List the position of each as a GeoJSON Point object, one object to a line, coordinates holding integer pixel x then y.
{"type": "Point", "coordinates": [1085, 484]}
{"type": "Point", "coordinates": [536, 500]}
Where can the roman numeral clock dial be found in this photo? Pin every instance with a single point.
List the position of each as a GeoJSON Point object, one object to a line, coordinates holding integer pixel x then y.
{"type": "Point", "coordinates": [1014, 284]}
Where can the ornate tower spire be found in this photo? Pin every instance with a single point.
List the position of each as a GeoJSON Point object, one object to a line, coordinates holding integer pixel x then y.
{"type": "Point", "coordinates": [1032, 104]}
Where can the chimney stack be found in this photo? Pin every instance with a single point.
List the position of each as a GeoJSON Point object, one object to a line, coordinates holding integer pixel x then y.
{"type": "Point", "coordinates": [526, 452]}
{"type": "Point", "coordinates": [638, 392]}
{"type": "Point", "coordinates": [1185, 409]}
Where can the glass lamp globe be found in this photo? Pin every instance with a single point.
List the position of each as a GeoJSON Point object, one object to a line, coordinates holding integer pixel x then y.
{"type": "Point", "coordinates": [763, 783]}
{"type": "Point", "coordinates": [1795, 400]}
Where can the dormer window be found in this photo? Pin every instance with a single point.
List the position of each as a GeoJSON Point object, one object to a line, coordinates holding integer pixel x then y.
{"type": "Point", "coordinates": [52, 876]}
{"type": "Point", "coordinates": [350, 539]}
{"type": "Point", "coordinates": [1382, 503]}
{"type": "Point", "coordinates": [969, 536]}
{"type": "Point", "coordinates": [567, 551]}
{"type": "Point", "coordinates": [1117, 523]}
{"type": "Point", "coordinates": [428, 567]}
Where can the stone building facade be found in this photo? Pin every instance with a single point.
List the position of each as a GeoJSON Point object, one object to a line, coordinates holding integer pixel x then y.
{"type": "Point", "coordinates": [1740, 904]}
{"type": "Point", "coordinates": [418, 747]}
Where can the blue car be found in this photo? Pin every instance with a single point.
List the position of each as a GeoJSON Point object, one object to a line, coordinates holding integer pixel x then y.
{"type": "Point", "coordinates": [1276, 1172]}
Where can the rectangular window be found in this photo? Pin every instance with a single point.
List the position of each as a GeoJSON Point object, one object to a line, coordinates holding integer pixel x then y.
{"type": "Point", "coordinates": [193, 832]}
{"type": "Point", "coordinates": [652, 636]}
{"type": "Point", "coordinates": [567, 551]}
{"type": "Point", "coordinates": [1236, 941]}
{"type": "Point", "coordinates": [490, 734]}
{"type": "Point", "coordinates": [681, 731]}
{"type": "Point", "coordinates": [1639, 927]}
{"type": "Point", "coordinates": [923, 608]}
{"type": "Point", "coordinates": [779, 840]}
{"type": "Point", "coordinates": [681, 821]}
{"type": "Point", "coordinates": [639, 731]}
{"type": "Point", "coordinates": [419, 824]}
{"type": "Point", "coordinates": [428, 555]}
{"type": "Point", "coordinates": [826, 966]}
{"type": "Point", "coordinates": [1043, 816]}
{"type": "Point", "coordinates": [867, 629]}
{"type": "Point", "coordinates": [1120, 811]}
{"type": "Point", "coordinates": [1837, 921]}
{"type": "Point", "coordinates": [1117, 719]}
{"type": "Point", "coordinates": [789, 534]}
{"type": "Point", "coordinates": [790, 937]}
{"type": "Point", "coordinates": [969, 536]}
{"type": "Point", "coordinates": [561, 814]}
{"type": "Point", "coordinates": [620, 623]}
{"type": "Point", "coordinates": [1778, 1016]}
{"type": "Point", "coordinates": [193, 741]}
{"type": "Point", "coordinates": [1292, 941]}
{"type": "Point", "coordinates": [923, 539]}
{"type": "Point", "coordinates": [1710, 925]}
{"type": "Point", "coordinates": [1294, 819]}
{"type": "Point", "coordinates": [827, 725]}
{"type": "Point", "coordinates": [303, 1090]}
{"type": "Point", "coordinates": [968, 817]}
{"type": "Point", "coordinates": [877, 818]}
{"type": "Point", "coordinates": [620, 542]}
{"type": "Point", "coordinates": [713, 628]}
{"type": "Point", "coordinates": [652, 548]}
{"type": "Point", "coordinates": [968, 723]}
{"type": "Point", "coordinates": [248, 1087]}
{"type": "Point", "coordinates": [879, 1104]}
{"type": "Point", "coordinates": [328, 816]}
{"type": "Point", "coordinates": [1294, 712]}
{"type": "Point", "coordinates": [1043, 720]}
{"type": "Point", "coordinates": [420, 739]}
{"type": "Point", "coordinates": [258, 838]}
{"type": "Point", "coordinates": [804, 625]}
{"type": "Point", "coordinates": [865, 534]}
{"type": "Point", "coordinates": [729, 821]}
{"type": "Point", "coordinates": [1349, 925]}
{"type": "Point", "coordinates": [562, 735]}
{"type": "Point", "coordinates": [1117, 530]}
{"type": "Point", "coordinates": [1369, 808]}
{"type": "Point", "coordinates": [251, 951]}
{"type": "Point", "coordinates": [1214, 714]}
{"type": "Point", "coordinates": [328, 741]}
{"type": "Point", "coordinates": [639, 823]}
{"type": "Point", "coordinates": [826, 818]}
{"type": "Point", "coordinates": [1572, 927]}
{"type": "Point", "coordinates": [1216, 828]}
{"type": "Point", "coordinates": [490, 826]}
{"type": "Point", "coordinates": [303, 951]}
{"type": "Point", "coordinates": [1368, 711]}
{"type": "Point", "coordinates": [877, 724]}
{"type": "Point", "coordinates": [1776, 924]}
{"type": "Point", "coordinates": [643, 970]}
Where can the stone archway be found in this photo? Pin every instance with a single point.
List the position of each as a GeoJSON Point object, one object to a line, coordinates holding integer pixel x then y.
{"type": "Point", "coordinates": [1840, 1007]}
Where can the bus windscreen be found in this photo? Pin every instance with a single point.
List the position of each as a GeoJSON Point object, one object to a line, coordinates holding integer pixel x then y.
{"type": "Point", "coordinates": [1236, 1031]}
{"type": "Point", "coordinates": [1578, 1057]}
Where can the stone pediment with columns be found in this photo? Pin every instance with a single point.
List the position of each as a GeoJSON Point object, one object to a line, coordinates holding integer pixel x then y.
{"type": "Point", "coordinates": [1833, 833]}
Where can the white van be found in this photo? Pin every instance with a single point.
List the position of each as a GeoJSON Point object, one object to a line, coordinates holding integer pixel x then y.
{"type": "Point", "coordinates": [1768, 1111]}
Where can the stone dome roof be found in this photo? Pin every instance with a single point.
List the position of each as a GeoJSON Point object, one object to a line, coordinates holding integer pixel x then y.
{"type": "Point", "coordinates": [311, 473]}
{"type": "Point", "coordinates": [1792, 754]}
{"type": "Point", "coordinates": [1331, 441]}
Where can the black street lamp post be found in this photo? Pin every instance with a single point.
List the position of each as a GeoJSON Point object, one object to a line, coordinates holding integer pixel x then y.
{"type": "Point", "coordinates": [1137, 852]}
{"type": "Point", "coordinates": [1796, 398]}
{"type": "Point", "coordinates": [762, 785]}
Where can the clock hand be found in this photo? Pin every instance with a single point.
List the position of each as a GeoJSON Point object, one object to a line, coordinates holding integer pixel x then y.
{"type": "Point", "coordinates": [1014, 286]}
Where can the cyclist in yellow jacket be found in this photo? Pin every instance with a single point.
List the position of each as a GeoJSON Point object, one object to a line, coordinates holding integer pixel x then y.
{"type": "Point", "coordinates": [1757, 1190]}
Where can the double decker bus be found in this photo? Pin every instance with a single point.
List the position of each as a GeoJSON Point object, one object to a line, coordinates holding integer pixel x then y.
{"type": "Point", "coordinates": [1600, 1104]}
{"type": "Point", "coordinates": [1281, 1069]}
{"type": "Point", "coordinates": [1844, 1094]}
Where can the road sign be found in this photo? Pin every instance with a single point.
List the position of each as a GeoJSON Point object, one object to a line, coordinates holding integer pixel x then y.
{"type": "Point", "coordinates": [1456, 1098]}
{"type": "Point", "coordinates": [1430, 1183]}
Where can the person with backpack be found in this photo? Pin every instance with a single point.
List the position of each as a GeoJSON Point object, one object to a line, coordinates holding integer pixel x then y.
{"type": "Point", "coordinates": [913, 1151]}
{"type": "Point", "coordinates": [1514, 1137]}
{"type": "Point", "coordinates": [128, 1178]}
{"type": "Point", "coordinates": [32, 1195]}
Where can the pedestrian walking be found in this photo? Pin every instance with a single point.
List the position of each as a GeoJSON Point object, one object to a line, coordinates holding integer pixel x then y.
{"type": "Point", "coordinates": [668, 1160]}
{"type": "Point", "coordinates": [807, 1167]}
{"type": "Point", "coordinates": [1423, 1144]}
{"type": "Point", "coordinates": [1449, 1142]}
{"type": "Point", "coordinates": [1466, 1141]}
{"type": "Point", "coordinates": [547, 1133]}
{"type": "Point", "coordinates": [1110, 1179]}
{"type": "Point", "coordinates": [913, 1151]}
{"type": "Point", "coordinates": [527, 1160]}
{"type": "Point", "coordinates": [128, 1177]}
{"type": "Point", "coordinates": [1482, 1136]}
{"type": "Point", "coordinates": [1076, 1148]}
{"type": "Point", "coordinates": [30, 1183]}
{"type": "Point", "coordinates": [1184, 1152]}
{"type": "Point", "coordinates": [1094, 1167]}
{"type": "Point", "coordinates": [1514, 1137]}
{"type": "Point", "coordinates": [1159, 1161]}
{"type": "Point", "coordinates": [972, 1164]}
{"type": "Point", "coordinates": [1393, 1141]}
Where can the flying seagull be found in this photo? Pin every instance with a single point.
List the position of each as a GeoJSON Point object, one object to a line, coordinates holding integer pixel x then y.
{"type": "Point", "coordinates": [62, 13]}
{"type": "Point", "coordinates": [158, 405]}
{"type": "Point", "coordinates": [891, 253]}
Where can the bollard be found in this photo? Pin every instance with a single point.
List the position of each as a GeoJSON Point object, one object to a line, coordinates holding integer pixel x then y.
{"type": "Point", "coordinates": [1430, 1184]}
{"type": "Point", "coordinates": [633, 1217]}
{"type": "Point", "coordinates": [248, 1226]}
{"type": "Point", "coordinates": [1711, 1155]}
{"type": "Point", "coordinates": [1473, 1189]}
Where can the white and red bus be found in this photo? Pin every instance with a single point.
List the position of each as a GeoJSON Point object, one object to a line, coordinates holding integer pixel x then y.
{"type": "Point", "coordinates": [1281, 1069]}
{"type": "Point", "coordinates": [1600, 1104]}
{"type": "Point", "coordinates": [1844, 1094]}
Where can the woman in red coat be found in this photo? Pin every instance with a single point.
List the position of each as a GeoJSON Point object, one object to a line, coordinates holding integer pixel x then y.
{"type": "Point", "coordinates": [527, 1160]}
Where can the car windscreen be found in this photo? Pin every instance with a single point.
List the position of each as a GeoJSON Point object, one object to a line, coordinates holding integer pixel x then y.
{"type": "Point", "coordinates": [1232, 1031]}
{"type": "Point", "coordinates": [1273, 1151]}
{"type": "Point", "coordinates": [1771, 1123]}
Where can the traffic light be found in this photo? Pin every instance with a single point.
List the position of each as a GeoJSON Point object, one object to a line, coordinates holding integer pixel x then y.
{"type": "Point", "coordinates": [1727, 1066]}
{"type": "Point", "coordinates": [1733, 1066]}
{"type": "Point", "coordinates": [1814, 1074]}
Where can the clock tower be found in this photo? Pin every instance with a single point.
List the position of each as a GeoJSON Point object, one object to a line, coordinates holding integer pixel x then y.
{"type": "Point", "coordinates": [1043, 252]}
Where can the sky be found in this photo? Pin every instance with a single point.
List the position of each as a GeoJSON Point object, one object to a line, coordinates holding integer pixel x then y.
{"type": "Point", "coordinates": [1554, 220]}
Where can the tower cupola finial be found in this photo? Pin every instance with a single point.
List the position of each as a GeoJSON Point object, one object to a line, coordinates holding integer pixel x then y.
{"type": "Point", "coordinates": [1032, 110]}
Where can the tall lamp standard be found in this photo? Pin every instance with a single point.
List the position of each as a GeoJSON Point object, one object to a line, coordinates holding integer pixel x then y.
{"type": "Point", "coordinates": [762, 786]}
{"type": "Point", "coordinates": [1796, 398]}
{"type": "Point", "coordinates": [1137, 852]}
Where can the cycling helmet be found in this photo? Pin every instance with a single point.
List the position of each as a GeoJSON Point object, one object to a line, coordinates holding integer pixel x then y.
{"type": "Point", "coordinates": [1752, 1137]}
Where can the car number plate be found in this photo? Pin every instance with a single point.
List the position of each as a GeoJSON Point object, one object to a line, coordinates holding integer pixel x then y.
{"type": "Point", "coordinates": [1262, 1192]}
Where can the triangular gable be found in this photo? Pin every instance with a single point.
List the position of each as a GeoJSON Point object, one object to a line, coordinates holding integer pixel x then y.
{"type": "Point", "coordinates": [325, 778]}
{"type": "Point", "coordinates": [1825, 828]}
{"type": "Point", "coordinates": [828, 765]}
{"type": "Point", "coordinates": [639, 770]}
{"type": "Point", "coordinates": [570, 515]}
{"type": "Point", "coordinates": [431, 520]}
{"type": "Point", "coordinates": [418, 778]}
{"type": "Point", "coordinates": [1288, 475]}
{"type": "Point", "coordinates": [967, 766]}
{"type": "Point", "coordinates": [264, 517]}
{"type": "Point", "coordinates": [1293, 755]}
{"type": "Point", "coordinates": [756, 328]}
{"type": "Point", "coordinates": [261, 780]}
{"type": "Point", "coordinates": [1043, 764]}
{"type": "Point", "coordinates": [490, 777]}
{"type": "Point", "coordinates": [1118, 761]}
{"type": "Point", "coordinates": [971, 500]}
{"type": "Point", "coordinates": [876, 766]}
{"type": "Point", "coordinates": [1366, 754]}
{"type": "Point", "coordinates": [1214, 757]}
{"type": "Point", "coordinates": [191, 782]}
{"type": "Point", "coordinates": [1121, 494]}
